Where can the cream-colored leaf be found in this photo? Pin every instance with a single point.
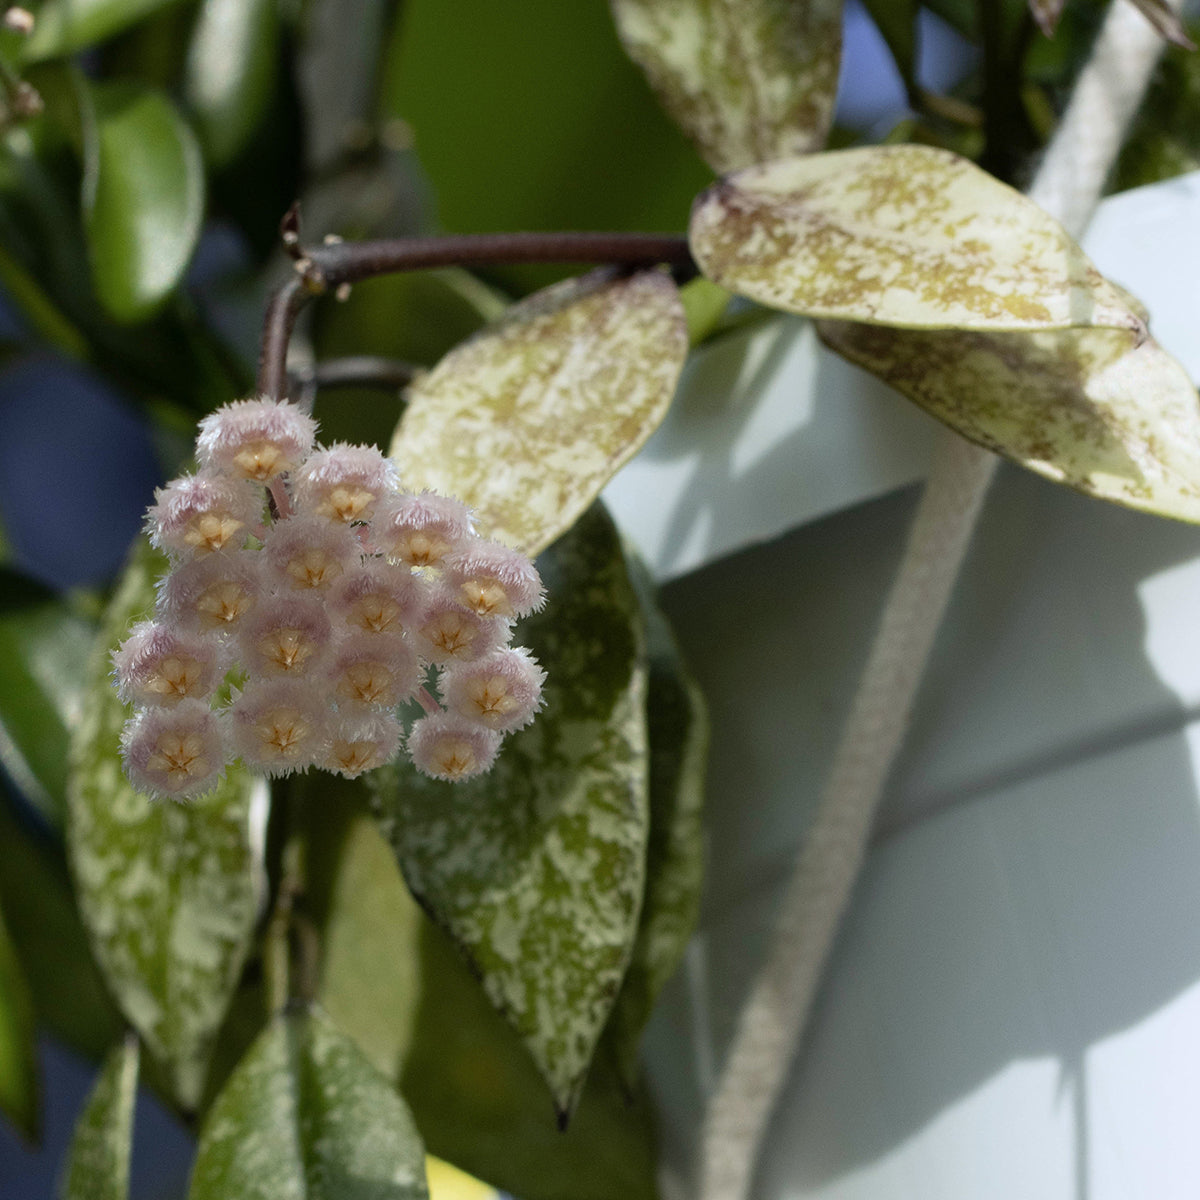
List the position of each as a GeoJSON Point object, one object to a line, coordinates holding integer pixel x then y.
{"type": "Point", "coordinates": [747, 80]}
{"type": "Point", "coordinates": [909, 236]}
{"type": "Point", "coordinates": [530, 418]}
{"type": "Point", "coordinates": [1090, 408]}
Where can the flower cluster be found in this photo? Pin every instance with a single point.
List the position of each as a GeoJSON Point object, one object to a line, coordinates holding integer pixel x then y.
{"type": "Point", "coordinates": [335, 597]}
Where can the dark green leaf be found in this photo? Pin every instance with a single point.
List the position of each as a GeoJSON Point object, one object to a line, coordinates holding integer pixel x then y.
{"type": "Point", "coordinates": [67, 25]}
{"type": "Point", "coordinates": [143, 197]}
{"type": "Point", "coordinates": [896, 20]}
{"type": "Point", "coordinates": [231, 72]}
{"type": "Point", "coordinates": [18, 1050]}
{"type": "Point", "coordinates": [306, 1117]}
{"type": "Point", "coordinates": [98, 1162]}
{"type": "Point", "coordinates": [169, 892]}
{"type": "Point", "coordinates": [45, 645]}
{"type": "Point", "coordinates": [536, 868]}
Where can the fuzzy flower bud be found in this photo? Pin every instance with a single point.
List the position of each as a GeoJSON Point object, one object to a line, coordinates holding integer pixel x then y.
{"type": "Point", "coordinates": [308, 552]}
{"type": "Point", "coordinates": [287, 635]}
{"type": "Point", "coordinates": [380, 598]}
{"type": "Point", "coordinates": [174, 753]}
{"type": "Point", "coordinates": [157, 664]}
{"type": "Point", "coordinates": [495, 580]}
{"type": "Point", "coordinates": [280, 726]}
{"type": "Point", "coordinates": [361, 742]}
{"type": "Point", "coordinates": [214, 593]}
{"type": "Point", "coordinates": [369, 669]}
{"type": "Point", "coordinates": [502, 690]}
{"type": "Point", "coordinates": [344, 483]}
{"type": "Point", "coordinates": [445, 746]}
{"type": "Point", "coordinates": [197, 514]}
{"type": "Point", "coordinates": [450, 633]}
{"type": "Point", "coordinates": [420, 530]}
{"type": "Point", "coordinates": [255, 439]}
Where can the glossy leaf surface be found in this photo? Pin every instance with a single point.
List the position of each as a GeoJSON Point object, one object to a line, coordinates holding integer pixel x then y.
{"type": "Point", "coordinates": [530, 418]}
{"type": "Point", "coordinates": [169, 892]}
{"type": "Point", "coordinates": [536, 868]}
{"type": "Point", "coordinates": [897, 235]}
{"type": "Point", "coordinates": [747, 80]}
{"type": "Point", "coordinates": [1088, 408]}
{"type": "Point", "coordinates": [98, 1162]}
{"type": "Point", "coordinates": [306, 1117]}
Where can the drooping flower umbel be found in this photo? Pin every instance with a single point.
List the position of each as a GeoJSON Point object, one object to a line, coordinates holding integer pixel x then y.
{"type": "Point", "coordinates": [335, 597]}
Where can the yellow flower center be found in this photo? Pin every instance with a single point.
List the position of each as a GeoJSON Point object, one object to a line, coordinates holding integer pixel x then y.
{"type": "Point", "coordinates": [487, 597]}
{"type": "Point", "coordinates": [353, 757]}
{"type": "Point", "coordinates": [211, 531]}
{"type": "Point", "coordinates": [261, 460]}
{"type": "Point", "coordinates": [491, 697]}
{"type": "Point", "coordinates": [283, 732]}
{"type": "Point", "coordinates": [222, 604]}
{"type": "Point", "coordinates": [454, 757]}
{"type": "Point", "coordinates": [313, 568]}
{"type": "Point", "coordinates": [175, 677]}
{"type": "Point", "coordinates": [347, 502]}
{"type": "Point", "coordinates": [375, 613]}
{"type": "Point", "coordinates": [451, 634]}
{"type": "Point", "coordinates": [179, 756]}
{"type": "Point", "coordinates": [367, 682]}
{"type": "Point", "coordinates": [420, 549]}
{"type": "Point", "coordinates": [286, 649]}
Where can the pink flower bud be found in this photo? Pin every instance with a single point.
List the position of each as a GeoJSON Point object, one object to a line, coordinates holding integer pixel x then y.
{"type": "Point", "coordinates": [502, 690]}
{"type": "Point", "coordinates": [343, 483]}
{"type": "Point", "coordinates": [361, 742]}
{"type": "Point", "coordinates": [495, 580]}
{"type": "Point", "coordinates": [451, 633]}
{"type": "Point", "coordinates": [445, 746]}
{"type": "Point", "coordinates": [370, 669]}
{"type": "Point", "coordinates": [309, 552]}
{"type": "Point", "coordinates": [380, 597]}
{"type": "Point", "coordinates": [197, 514]}
{"type": "Point", "coordinates": [212, 594]}
{"type": "Point", "coordinates": [280, 726]}
{"type": "Point", "coordinates": [255, 439]}
{"type": "Point", "coordinates": [158, 664]}
{"type": "Point", "coordinates": [286, 635]}
{"type": "Point", "coordinates": [419, 530]}
{"type": "Point", "coordinates": [174, 753]}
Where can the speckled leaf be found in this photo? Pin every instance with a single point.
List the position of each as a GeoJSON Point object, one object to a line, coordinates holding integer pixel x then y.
{"type": "Point", "coordinates": [536, 869]}
{"type": "Point", "coordinates": [530, 418]}
{"type": "Point", "coordinates": [306, 1117]}
{"type": "Point", "coordinates": [1088, 408]}
{"type": "Point", "coordinates": [19, 1100]}
{"type": "Point", "coordinates": [897, 235]}
{"type": "Point", "coordinates": [98, 1161]}
{"type": "Point", "coordinates": [747, 80]}
{"type": "Point", "coordinates": [169, 892]}
{"type": "Point", "coordinates": [677, 722]}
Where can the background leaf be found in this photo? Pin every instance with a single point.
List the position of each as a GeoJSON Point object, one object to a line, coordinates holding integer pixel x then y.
{"type": "Point", "coordinates": [747, 80]}
{"type": "Point", "coordinates": [63, 26]}
{"type": "Point", "coordinates": [306, 1117]}
{"type": "Point", "coordinates": [897, 235]}
{"type": "Point", "coordinates": [1089, 408]}
{"type": "Point", "coordinates": [169, 892]}
{"type": "Point", "coordinates": [143, 197]}
{"type": "Point", "coordinates": [528, 420]}
{"type": "Point", "coordinates": [98, 1162]}
{"type": "Point", "coordinates": [19, 1099]}
{"type": "Point", "coordinates": [536, 868]}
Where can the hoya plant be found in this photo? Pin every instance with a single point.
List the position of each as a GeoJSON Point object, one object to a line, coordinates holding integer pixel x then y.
{"type": "Point", "coordinates": [360, 816]}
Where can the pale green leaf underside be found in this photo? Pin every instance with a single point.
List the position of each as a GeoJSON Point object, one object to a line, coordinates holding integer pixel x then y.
{"type": "Point", "coordinates": [747, 80]}
{"type": "Point", "coordinates": [168, 892]}
{"type": "Point", "coordinates": [1088, 408]}
{"type": "Point", "coordinates": [98, 1161]}
{"type": "Point", "coordinates": [530, 418]}
{"type": "Point", "coordinates": [305, 1116]}
{"type": "Point", "coordinates": [909, 236]}
{"type": "Point", "coordinates": [536, 868]}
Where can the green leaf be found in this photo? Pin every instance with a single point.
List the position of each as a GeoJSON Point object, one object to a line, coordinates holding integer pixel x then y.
{"type": "Point", "coordinates": [536, 869]}
{"type": "Point", "coordinates": [529, 419]}
{"type": "Point", "coordinates": [143, 197]}
{"type": "Point", "coordinates": [306, 1117]}
{"type": "Point", "coordinates": [1088, 408]}
{"type": "Point", "coordinates": [44, 644]}
{"type": "Point", "coordinates": [19, 1099]}
{"type": "Point", "coordinates": [64, 26]}
{"type": "Point", "coordinates": [396, 984]}
{"type": "Point", "coordinates": [98, 1161]}
{"type": "Point", "coordinates": [909, 236]}
{"type": "Point", "coordinates": [230, 72]}
{"type": "Point", "coordinates": [747, 80]}
{"type": "Point", "coordinates": [896, 20]}
{"type": "Point", "coordinates": [677, 722]}
{"type": "Point", "coordinates": [704, 305]}
{"type": "Point", "coordinates": [169, 892]}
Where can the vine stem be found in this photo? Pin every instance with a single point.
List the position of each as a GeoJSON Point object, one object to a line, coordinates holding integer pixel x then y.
{"type": "Point", "coordinates": [336, 264]}
{"type": "Point", "coordinates": [771, 1024]}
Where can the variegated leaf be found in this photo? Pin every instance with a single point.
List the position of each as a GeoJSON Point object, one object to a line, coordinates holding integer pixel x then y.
{"type": "Point", "coordinates": [1090, 408]}
{"type": "Point", "coordinates": [910, 236]}
{"type": "Point", "coordinates": [169, 892]}
{"type": "Point", "coordinates": [530, 418]}
{"type": "Point", "coordinates": [98, 1161]}
{"type": "Point", "coordinates": [536, 869]}
{"type": "Point", "coordinates": [305, 1116]}
{"type": "Point", "coordinates": [747, 80]}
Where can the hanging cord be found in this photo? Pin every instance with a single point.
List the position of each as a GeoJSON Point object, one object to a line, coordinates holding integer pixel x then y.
{"type": "Point", "coordinates": [771, 1024]}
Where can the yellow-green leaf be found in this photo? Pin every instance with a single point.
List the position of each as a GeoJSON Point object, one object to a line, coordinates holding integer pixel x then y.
{"type": "Point", "coordinates": [530, 418]}
{"type": "Point", "coordinates": [98, 1161]}
{"type": "Point", "coordinates": [18, 1053]}
{"type": "Point", "coordinates": [169, 892]}
{"type": "Point", "coordinates": [747, 80]}
{"type": "Point", "coordinates": [1090, 408]}
{"type": "Point", "coordinates": [66, 25]}
{"type": "Point", "coordinates": [910, 236]}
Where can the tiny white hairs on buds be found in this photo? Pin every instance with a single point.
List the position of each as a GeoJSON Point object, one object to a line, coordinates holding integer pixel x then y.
{"type": "Point", "coordinates": [344, 483]}
{"type": "Point", "coordinates": [197, 514]}
{"type": "Point", "coordinates": [174, 753]}
{"type": "Point", "coordinates": [214, 593]}
{"type": "Point", "coordinates": [420, 530]}
{"type": "Point", "coordinates": [308, 552]}
{"type": "Point", "coordinates": [361, 742]}
{"type": "Point", "coordinates": [495, 580]}
{"type": "Point", "coordinates": [280, 727]}
{"type": "Point", "coordinates": [502, 690]}
{"type": "Point", "coordinates": [445, 746]}
{"type": "Point", "coordinates": [255, 439]}
{"type": "Point", "coordinates": [157, 664]}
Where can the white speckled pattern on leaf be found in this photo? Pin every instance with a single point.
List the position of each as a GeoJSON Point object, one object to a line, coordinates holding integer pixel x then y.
{"type": "Point", "coordinates": [98, 1161]}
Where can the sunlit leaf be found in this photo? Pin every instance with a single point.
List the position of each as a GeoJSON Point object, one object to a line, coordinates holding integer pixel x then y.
{"type": "Point", "coordinates": [306, 1117]}
{"type": "Point", "coordinates": [747, 80]}
{"type": "Point", "coordinates": [230, 72]}
{"type": "Point", "coordinates": [143, 197]}
{"type": "Point", "coordinates": [536, 868]}
{"type": "Point", "coordinates": [63, 26]}
{"type": "Point", "coordinates": [1088, 408]}
{"type": "Point", "coordinates": [529, 419]}
{"type": "Point", "coordinates": [98, 1162]}
{"type": "Point", "coordinates": [677, 722]}
{"type": "Point", "coordinates": [169, 892]}
{"type": "Point", "coordinates": [44, 645]}
{"type": "Point", "coordinates": [18, 1051]}
{"type": "Point", "coordinates": [897, 235]}
{"type": "Point", "coordinates": [395, 983]}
